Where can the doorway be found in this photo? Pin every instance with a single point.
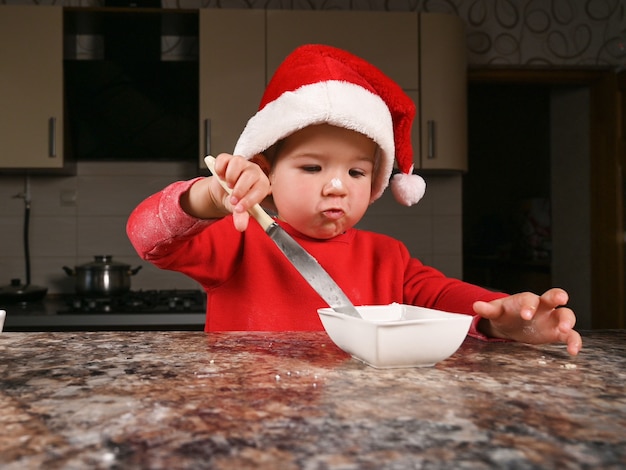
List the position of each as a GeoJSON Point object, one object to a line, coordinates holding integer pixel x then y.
{"type": "Point", "coordinates": [506, 193]}
{"type": "Point", "coordinates": [540, 203]}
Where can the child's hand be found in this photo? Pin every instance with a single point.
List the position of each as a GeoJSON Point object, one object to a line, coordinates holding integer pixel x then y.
{"type": "Point", "coordinates": [207, 199]}
{"type": "Point", "coordinates": [530, 318]}
{"type": "Point", "coordinates": [248, 183]}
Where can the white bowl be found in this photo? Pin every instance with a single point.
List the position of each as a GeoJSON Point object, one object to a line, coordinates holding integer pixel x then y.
{"type": "Point", "coordinates": [3, 314]}
{"type": "Point", "coordinates": [397, 335]}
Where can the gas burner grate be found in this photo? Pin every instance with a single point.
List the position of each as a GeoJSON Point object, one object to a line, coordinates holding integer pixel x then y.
{"type": "Point", "coordinates": [141, 301]}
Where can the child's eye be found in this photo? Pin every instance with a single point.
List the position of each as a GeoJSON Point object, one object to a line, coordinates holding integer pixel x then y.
{"type": "Point", "coordinates": [356, 173]}
{"type": "Point", "coordinates": [311, 168]}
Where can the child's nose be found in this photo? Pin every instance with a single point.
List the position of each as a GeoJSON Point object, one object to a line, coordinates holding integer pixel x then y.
{"type": "Point", "coordinates": [334, 186]}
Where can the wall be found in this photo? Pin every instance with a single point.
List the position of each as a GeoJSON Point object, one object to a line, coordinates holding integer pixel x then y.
{"type": "Point", "coordinates": [66, 233]}
{"type": "Point", "coordinates": [512, 32]}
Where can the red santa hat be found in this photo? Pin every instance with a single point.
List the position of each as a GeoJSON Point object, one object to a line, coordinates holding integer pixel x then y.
{"type": "Point", "coordinates": [318, 84]}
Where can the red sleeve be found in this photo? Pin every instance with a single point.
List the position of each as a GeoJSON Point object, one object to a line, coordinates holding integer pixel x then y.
{"type": "Point", "coordinates": [159, 223]}
{"type": "Point", "coordinates": [431, 288]}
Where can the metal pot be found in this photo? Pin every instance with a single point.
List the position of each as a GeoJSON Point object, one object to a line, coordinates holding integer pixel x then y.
{"type": "Point", "coordinates": [102, 276]}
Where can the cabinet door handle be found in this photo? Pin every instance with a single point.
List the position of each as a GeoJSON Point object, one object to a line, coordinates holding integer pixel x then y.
{"type": "Point", "coordinates": [207, 137]}
{"type": "Point", "coordinates": [431, 139]}
{"type": "Point", "coordinates": [52, 140]}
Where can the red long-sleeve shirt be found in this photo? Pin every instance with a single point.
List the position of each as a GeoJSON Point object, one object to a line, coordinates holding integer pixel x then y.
{"type": "Point", "coordinates": [250, 284]}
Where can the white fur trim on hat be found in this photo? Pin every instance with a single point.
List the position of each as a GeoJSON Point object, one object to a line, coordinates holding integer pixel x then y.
{"type": "Point", "coordinates": [335, 102]}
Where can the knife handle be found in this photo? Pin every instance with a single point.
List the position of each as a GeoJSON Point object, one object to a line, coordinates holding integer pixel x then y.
{"type": "Point", "coordinates": [256, 211]}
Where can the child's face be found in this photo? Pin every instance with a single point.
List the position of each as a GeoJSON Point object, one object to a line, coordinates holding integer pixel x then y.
{"type": "Point", "coordinates": [322, 179]}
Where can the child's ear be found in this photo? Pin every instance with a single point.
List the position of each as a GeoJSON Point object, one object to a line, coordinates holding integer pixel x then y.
{"type": "Point", "coordinates": [261, 160]}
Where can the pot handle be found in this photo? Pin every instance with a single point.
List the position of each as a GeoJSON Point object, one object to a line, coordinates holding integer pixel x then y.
{"type": "Point", "coordinates": [69, 271]}
{"type": "Point", "coordinates": [135, 271]}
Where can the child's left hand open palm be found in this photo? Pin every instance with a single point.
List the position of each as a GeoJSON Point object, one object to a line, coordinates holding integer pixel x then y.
{"type": "Point", "coordinates": [529, 318]}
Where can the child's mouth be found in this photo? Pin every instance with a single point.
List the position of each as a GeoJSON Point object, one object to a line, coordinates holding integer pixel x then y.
{"type": "Point", "coordinates": [333, 214]}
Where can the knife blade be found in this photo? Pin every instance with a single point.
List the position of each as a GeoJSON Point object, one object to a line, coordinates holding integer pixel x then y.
{"type": "Point", "coordinates": [307, 265]}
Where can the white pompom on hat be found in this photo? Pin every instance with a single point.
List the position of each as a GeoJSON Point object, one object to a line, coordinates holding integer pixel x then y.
{"type": "Point", "coordinates": [318, 84]}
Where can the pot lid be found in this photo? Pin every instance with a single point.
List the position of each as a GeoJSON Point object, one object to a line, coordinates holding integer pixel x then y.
{"type": "Point", "coordinates": [104, 262]}
{"type": "Point", "coordinates": [18, 292]}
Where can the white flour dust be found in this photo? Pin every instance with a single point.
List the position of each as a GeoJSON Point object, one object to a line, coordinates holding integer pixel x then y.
{"type": "Point", "coordinates": [336, 183]}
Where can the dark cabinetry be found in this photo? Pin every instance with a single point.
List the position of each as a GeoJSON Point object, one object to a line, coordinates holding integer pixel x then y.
{"type": "Point", "coordinates": [126, 98]}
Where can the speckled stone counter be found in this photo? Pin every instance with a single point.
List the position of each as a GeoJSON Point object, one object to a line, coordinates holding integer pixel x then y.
{"type": "Point", "coordinates": [178, 400]}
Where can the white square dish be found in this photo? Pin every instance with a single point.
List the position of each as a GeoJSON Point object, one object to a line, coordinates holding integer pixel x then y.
{"type": "Point", "coordinates": [397, 335]}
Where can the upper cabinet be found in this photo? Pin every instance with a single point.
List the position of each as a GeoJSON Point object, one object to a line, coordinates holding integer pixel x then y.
{"type": "Point", "coordinates": [424, 53]}
{"type": "Point", "coordinates": [232, 75]}
{"type": "Point", "coordinates": [31, 87]}
{"type": "Point", "coordinates": [137, 102]}
{"type": "Point", "coordinates": [442, 133]}
{"type": "Point", "coordinates": [359, 32]}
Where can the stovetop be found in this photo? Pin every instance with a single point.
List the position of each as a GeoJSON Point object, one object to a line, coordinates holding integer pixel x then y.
{"type": "Point", "coordinates": [175, 309]}
{"type": "Point", "coordinates": [142, 301]}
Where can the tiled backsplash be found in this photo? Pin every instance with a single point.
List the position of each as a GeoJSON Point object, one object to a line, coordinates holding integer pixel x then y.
{"type": "Point", "coordinates": [75, 218]}
{"type": "Point", "coordinates": [432, 229]}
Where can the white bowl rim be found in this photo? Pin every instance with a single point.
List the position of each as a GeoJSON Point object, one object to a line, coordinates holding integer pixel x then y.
{"type": "Point", "coordinates": [444, 317]}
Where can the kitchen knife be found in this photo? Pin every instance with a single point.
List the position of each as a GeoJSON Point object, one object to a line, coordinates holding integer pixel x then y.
{"type": "Point", "coordinates": [306, 264]}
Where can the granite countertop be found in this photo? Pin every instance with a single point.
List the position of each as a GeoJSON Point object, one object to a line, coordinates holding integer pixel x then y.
{"type": "Point", "coordinates": [165, 400]}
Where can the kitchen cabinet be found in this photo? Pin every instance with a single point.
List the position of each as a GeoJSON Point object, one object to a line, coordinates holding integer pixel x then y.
{"type": "Point", "coordinates": [232, 75]}
{"type": "Point", "coordinates": [359, 32]}
{"type": "Point", "coordinates": [131, 82]}
{"type": "Point", "coordinates": [31, 87]}
{"type": "Point", "coordinates": [442, 94]}
{"type": "Point", "coordinates": [424, 53]}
